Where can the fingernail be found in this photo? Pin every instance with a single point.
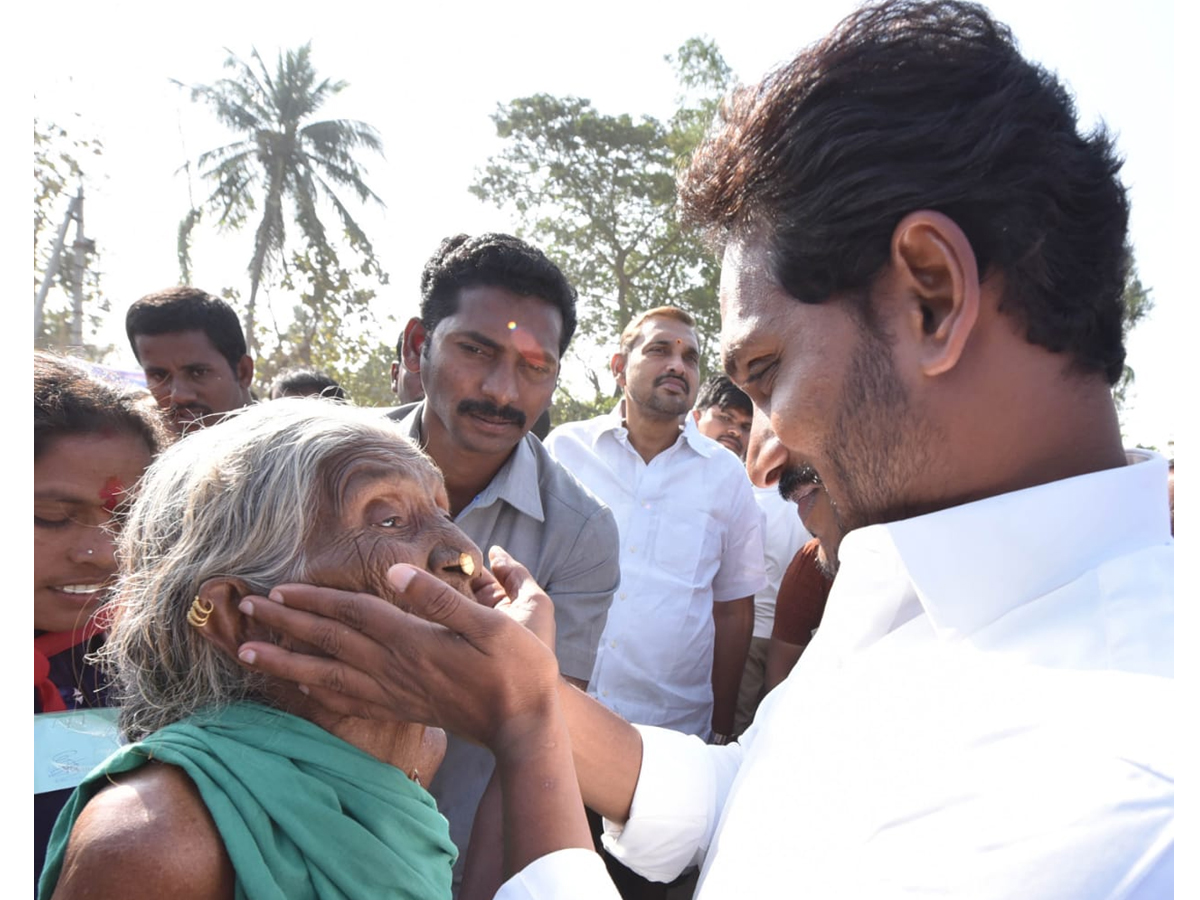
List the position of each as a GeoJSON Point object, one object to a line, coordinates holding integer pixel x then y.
{"type": "Point", "coordinates": [275, 596]}
{"type": "Point", "coordinates": [401, 576]}
{"type": "Point", "coordinates": [247, 656]}
{"type": "Point", "coordinates": [304, 689]}
{"type": "Point", "coordinates": [247, 608]}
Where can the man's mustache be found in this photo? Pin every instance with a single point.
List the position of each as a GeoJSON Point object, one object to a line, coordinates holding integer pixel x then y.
{"type": "Point", "coordinates": [795, 478]}
{"type": "Point", "coordinates": [661, 379]}
{"type": "Point", "coordinates": [492, 411]}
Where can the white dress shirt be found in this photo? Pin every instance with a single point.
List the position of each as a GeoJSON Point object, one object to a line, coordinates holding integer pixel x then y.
{"type": "Point", "coordinates": [988, 711]}
{"type": "Point", "coordinates": [690, 535]}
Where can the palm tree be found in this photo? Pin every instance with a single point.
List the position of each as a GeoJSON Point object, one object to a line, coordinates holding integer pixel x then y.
{"type": "Point", "coordinates": [281, 154]}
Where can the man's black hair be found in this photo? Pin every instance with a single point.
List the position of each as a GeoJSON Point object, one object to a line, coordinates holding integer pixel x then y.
{"type": "Point", "coordinates": [495, 260]}
{"type": "Point", "coordinates": [188, 309]}
{"type": "Point", "coordinates": [924, 105]}
{"type": "Point", "coordinates": [722, 393]}
{"type": "Point", "coordinates": [304, 383]}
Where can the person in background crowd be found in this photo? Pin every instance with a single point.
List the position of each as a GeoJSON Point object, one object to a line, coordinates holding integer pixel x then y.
{"type": "Point", "coordinates": [496, 317]}
{"type": "Point", "coordinates": [191, 348]}
{"type": "Point", "coordinates": [675, 645]}
{"type": "Point", "coordinates": [306, 383]}
{"type": "Point", "coordinates": [91, 443]}
{"type": "Point", "coordinates": [724, 413]}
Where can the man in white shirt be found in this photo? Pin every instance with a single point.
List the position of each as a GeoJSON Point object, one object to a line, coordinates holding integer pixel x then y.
{"type": "Point", "coordinates": [923, 265]}
{"type": "Point", "coordinates": [675, 643]}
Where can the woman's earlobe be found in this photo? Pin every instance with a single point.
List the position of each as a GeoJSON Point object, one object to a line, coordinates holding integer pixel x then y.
{"type": "Point", "coordinates": [215, 616]}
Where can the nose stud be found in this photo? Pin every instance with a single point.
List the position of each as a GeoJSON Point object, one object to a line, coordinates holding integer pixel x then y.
{"type": "Point", "coordinates": [90, 551]}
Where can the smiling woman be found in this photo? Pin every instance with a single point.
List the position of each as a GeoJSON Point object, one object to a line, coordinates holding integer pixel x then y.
{"type": "Point", "coordinates": [91, 444]}
{"type": "Point", "coordinates": [273, 795]}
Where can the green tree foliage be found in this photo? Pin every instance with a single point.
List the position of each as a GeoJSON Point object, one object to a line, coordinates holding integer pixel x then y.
{"type": "Point", "coordinates": [597, 193]}
{"type": "Point", "coordinates": [283, 156]}
{"type": "Point", "coordinates": [1138, 304]}
{"type": "Point", "coordinates": [328, 300]}
{"type": "Point", "coordinates": [60, 163]}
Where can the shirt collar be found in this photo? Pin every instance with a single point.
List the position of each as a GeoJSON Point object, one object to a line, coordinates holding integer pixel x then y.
{"type": "Point", "coordinates": [613, 422]}
{"type": "Point", "coordinates": [971, 564]}
{"type": "Point", "coordinates": [517, 482]}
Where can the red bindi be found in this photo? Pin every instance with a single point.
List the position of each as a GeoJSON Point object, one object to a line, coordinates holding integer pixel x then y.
{"type": "Point", "coordinates": [110, 494]}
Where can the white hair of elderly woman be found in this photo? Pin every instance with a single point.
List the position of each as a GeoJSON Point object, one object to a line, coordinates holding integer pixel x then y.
{"type": "Point", "coordinates": [239, 499]}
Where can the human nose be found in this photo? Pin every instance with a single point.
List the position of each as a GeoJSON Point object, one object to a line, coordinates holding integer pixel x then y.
{"type": "Point", "coordinates": [94, 546]}
{"type": "Point", "coordinates": [182, 393]}
{"type": "Point", "coordinates": [454, 559]}
{"type": "Point", "coordinates": [766, 457]}
{"type": "Point", "coordinates": [500, 384]}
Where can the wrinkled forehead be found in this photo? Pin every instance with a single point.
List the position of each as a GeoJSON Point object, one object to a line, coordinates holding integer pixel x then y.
{"type": "Point", "coordinates": [374, 458]}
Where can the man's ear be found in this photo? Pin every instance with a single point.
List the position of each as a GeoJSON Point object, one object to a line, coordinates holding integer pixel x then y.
{"type": "Point", "coordinates": [245, 371]}
{"type": "Point", "coordinates": [617, 365]}
{"type": "Point", "coordinates": [935, 268]}
{"type": "Point", "coordinates": [412, 344]}
{"type": "Point", "coordinates": [224, 626]}
{"type": "Point", "coordinates": [696, 415]}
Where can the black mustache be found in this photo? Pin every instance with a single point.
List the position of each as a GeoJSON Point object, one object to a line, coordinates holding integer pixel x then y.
{"type": "Point", "coordinates": [795, 478]}
{"type": "Point", "coordinates": [661, 378]}
{"type": "Point", "coordinates": [492, 411]}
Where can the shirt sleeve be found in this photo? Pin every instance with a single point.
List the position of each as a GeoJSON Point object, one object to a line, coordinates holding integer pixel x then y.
{"type": "Point", "coordinates": [680, 793]}
{"type": "Point", "coordinates": [743, 568]}
{"type": "Point", "coordinates": [575, 873]}
{"type": "Point", "coordinates": [582, 592]}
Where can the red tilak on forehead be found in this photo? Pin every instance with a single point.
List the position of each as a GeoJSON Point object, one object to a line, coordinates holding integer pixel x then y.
{"type": "Point", "coordinates": [110, 494]}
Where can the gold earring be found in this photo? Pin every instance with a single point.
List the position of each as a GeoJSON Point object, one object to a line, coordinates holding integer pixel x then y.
{"type": "Point", "coordinates": [199, 612]}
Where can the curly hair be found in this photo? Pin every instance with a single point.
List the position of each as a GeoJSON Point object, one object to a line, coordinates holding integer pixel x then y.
{"type": "Point", "coordinates": [924, 105]}
{"type": "Point", "coordinates": [496, 260]}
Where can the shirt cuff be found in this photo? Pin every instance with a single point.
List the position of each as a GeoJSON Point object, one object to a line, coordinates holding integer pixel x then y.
{"type": "Point", "coordinates": [574, 872]}
{"type": "Point", "coordinates": [676, 805]}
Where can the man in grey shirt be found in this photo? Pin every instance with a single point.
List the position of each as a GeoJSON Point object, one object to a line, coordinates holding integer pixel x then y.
{"type": "Point", "coordinates": [496, 317]}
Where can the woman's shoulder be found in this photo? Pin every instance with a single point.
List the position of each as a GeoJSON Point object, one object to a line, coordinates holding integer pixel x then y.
{"type": "Point", "coordinates": [146, 834]}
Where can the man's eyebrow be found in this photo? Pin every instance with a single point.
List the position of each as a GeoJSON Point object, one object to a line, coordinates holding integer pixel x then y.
{"type": "Point", "coordinates": [731, 361]}
{"type": "Point", "coordinates": [479, 338]}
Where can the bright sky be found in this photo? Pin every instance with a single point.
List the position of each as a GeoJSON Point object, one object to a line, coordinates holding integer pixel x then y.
{"type": "Point", "coordinates": [429, 78]}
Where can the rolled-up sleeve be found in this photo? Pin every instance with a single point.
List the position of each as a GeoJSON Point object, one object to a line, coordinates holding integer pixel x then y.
{"type": "Point", "coordinates": [681, 791]}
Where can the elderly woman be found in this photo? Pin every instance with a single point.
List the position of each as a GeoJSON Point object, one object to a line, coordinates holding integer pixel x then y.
{"type": "Point", "coordinates": [237, 784]}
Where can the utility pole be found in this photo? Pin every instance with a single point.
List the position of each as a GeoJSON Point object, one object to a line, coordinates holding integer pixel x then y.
{"type": "Point", "coordinates": [82, 247]}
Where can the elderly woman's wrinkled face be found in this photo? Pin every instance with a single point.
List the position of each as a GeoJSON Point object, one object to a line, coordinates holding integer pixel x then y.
{"type": "Point", "coordinates": [377, 513]}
